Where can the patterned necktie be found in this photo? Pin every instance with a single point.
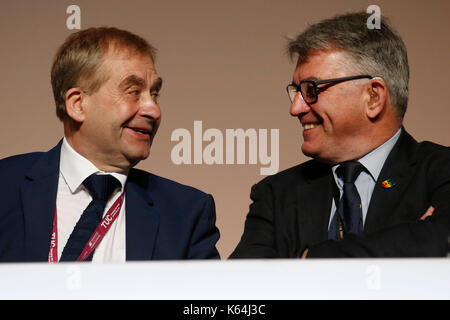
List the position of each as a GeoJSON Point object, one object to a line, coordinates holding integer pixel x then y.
{"type": "Point", "coordinates": [101, 188]}
{"type": "Point", "coordinates": [350, 208]}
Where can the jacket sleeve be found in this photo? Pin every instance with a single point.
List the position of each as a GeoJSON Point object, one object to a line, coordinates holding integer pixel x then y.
{"type": "Point", "coordinates": [205, 234]}
{"type": "Point", "coordinates": [258, 240]}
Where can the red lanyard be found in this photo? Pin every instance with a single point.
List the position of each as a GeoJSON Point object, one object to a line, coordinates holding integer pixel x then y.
{"type": "Point", "coordinates": [96, 237]}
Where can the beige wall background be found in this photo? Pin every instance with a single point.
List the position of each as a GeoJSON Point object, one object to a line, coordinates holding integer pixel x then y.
{"type": "Point", "coordinates": [223, 63]}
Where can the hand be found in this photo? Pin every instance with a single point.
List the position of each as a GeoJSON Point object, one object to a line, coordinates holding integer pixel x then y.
{"type": "Point", "coordinates": [427, 213]}
{"type": "Point", "coordinates": [304, 254]}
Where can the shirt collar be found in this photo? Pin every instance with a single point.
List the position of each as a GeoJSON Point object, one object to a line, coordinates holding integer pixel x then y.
{"type": "Point", "coordinates": [75, 168]}
{"type": "Point", "coordinates": [374, 160]}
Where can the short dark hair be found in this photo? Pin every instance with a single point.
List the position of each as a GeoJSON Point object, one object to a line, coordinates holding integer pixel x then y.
{"type": "Point", "coordinates": [378, 52]}
{"type": "Point", "coordinates": [80, 56]}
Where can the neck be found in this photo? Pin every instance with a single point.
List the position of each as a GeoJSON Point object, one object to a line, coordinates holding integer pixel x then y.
{"type": "Point", "coordinates": [374, 140]}
{"type": "Point", "coordinates": [95, 158]}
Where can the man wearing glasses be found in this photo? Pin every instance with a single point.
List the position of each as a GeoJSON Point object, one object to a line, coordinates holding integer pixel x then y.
{"type": "Point", "coordinates": [370, 190]}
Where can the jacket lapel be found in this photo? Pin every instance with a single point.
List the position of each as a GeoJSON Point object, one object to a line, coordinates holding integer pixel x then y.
{"type": "Point", "coordinates": [142, 218]}
{"type": "Point", "coordinates": [397, 168]}
{"type": "Point", "coordinates": [38, 193]}
{"type": "Point", "coordinates": [315, 199]}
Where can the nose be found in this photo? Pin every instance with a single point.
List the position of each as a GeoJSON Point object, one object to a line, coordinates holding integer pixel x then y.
{"type": "Point", "coordinates": [299, 106]}
{"type": "Point", "coordinates": [149, 107]}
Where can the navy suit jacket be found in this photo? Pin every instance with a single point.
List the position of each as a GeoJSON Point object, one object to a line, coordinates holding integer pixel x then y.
{"type": "Point", "coordinates": [164, 219]}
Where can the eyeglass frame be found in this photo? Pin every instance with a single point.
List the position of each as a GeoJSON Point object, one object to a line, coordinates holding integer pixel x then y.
{"type": "Point", "coordinates": [316, 83]}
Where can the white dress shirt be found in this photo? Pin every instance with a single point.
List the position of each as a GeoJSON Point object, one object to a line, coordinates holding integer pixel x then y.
{"type": "Point", "coordinates": [365, 182]}
{"type": "Point", "coordinates": [72, 198]}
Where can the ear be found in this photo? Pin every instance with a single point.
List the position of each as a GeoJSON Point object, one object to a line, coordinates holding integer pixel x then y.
{"type": "Point", "coordinates": [75, 104]}
{"type": "Point", "coordinates": [376, 98]}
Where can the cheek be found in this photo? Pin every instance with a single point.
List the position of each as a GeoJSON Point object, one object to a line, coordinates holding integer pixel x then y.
{"type": "Point", "coordinates": [126, 110]}
{"type": "Point", "coordinates": [343, 117]}
{"type": "Point", "coordinates": [119, 116]}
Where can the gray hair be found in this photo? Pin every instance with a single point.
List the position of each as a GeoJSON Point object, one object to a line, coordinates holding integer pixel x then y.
{"type": "Point", "coordinates": [378, 52]}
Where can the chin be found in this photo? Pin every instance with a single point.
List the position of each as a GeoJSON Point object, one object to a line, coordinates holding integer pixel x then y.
{"type": "Point", "coordinates": [135, 157]}
{"type": "Point", "coordinates": [141, 156]}
{"type": "Point", "coordinates": [317, 155]}
{"type": "Point", "coordinates": [308, 151]}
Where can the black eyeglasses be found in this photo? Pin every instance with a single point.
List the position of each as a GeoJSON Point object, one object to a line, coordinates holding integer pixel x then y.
{"type": "Point", "coordinates": [310, 91]}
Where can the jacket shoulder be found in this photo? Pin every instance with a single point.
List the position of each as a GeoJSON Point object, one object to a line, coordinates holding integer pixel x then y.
{"type": "Point", "coordinates": [13, 171]}
{"type": "Point", "coordinates": [428, 151]}
{"type": "Point", "coordinates": [20, 158]}
{"type": "Point", "coordinates": [418, 151]}
{"type": "Point", "coordinates": [428, 147]}
{"type": "Point", "coordinates": [15, 166]}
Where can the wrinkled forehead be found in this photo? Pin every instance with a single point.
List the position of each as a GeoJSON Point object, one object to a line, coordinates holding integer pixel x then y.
{"type": "Point", "coordinates": [125, 62]}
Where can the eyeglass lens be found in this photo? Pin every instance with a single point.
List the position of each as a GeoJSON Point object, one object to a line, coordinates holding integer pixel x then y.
{"type": "Point", "coordinates": [308, 91]}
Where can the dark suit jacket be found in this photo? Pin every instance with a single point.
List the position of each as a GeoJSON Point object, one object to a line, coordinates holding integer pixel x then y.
{"type": "Point", "coordinates": [164, 219]}
{"type": "Point", "coordinates": [291, 210]}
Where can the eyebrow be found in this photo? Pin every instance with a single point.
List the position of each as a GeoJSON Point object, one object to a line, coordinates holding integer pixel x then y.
{"type": "Point", "coordinates": [306, 79]}
{"type": "Point", "coordinates": [311, 79]}
{"type": "Point", "coordinates": [130, 81]}
{"type": "Point", "coordinates": [134, 80]}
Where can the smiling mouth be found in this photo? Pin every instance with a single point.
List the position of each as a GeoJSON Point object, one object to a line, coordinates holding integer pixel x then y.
{"type": "Point", "coordinates": [308, 126]}
{"type": "Point", "coordinates": [143, 131]}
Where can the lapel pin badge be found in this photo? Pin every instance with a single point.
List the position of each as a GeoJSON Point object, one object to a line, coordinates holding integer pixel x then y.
{"type": "Point", "coordinates": [388, 183]}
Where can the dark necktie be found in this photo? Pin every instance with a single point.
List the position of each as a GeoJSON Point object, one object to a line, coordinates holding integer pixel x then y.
{"type": "Point", "coordinates": [101, 188]}
{"type": "Point", "coordinates": [349, 212]}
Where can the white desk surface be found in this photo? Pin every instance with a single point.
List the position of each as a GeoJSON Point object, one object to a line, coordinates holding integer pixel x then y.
{"type": "Point", "coordinates": [230, 280]}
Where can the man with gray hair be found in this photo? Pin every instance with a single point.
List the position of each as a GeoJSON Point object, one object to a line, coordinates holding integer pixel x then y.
{"type": "Point", "coordinates": [370, 190]}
